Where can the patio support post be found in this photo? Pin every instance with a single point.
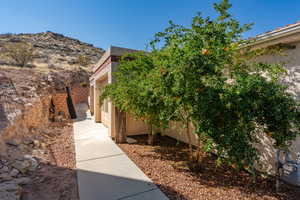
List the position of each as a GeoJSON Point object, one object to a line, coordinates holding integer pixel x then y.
{"type": "Point", "coordinates": [97, 106]}
{"type": "Point", "coordinates": [120, 126]}
{"type": "Point", "coordinates": [92, 99]}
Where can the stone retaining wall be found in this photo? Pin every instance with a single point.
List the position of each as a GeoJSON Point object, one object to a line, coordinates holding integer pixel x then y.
{"type": "Point", "coordinates": [35, 116]}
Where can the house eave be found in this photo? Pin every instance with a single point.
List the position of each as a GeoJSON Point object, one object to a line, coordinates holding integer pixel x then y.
{"type": "Point", "coordinates": [277, 35]}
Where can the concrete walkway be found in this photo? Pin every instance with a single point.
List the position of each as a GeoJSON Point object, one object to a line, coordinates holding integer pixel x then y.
{"type": "Point", "coordinates": [104, 172]}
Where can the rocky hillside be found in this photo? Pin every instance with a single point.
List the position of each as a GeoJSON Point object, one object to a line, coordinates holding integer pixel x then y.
{"type": "Point", "coordinates": [37, 152]}
{"type": "Point", "coordinates": [53, 68]}
{"type": "Point", "coordinates": [51, 50]}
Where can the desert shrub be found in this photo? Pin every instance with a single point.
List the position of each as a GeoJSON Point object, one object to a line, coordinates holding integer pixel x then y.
{"type": "Point", "coordinates": [84, 84]}
{"type": "Point", "coordinates": [133, 91]}
{"type": "Point", "coordinates": [83, 60]}
{"type": "Point", "coordinates": [6, 35]}
{"type": "Point", "coordinates": [21, 53]}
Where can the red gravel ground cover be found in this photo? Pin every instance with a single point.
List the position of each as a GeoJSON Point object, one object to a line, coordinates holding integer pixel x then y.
{"type": "Point", "coordinates": [167, 165]}
{"type": "Point", "coordinates": [55, 179]}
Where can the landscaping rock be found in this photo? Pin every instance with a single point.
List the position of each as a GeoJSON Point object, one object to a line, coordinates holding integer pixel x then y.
{"type": "Point", "coordinates": [4, 195]}
{"type": "Point", "coordinates": [11, 187]}
{"type": "Point", "coordinates": [22, 166]}
{"type": "Point", "coordinates": [36, 143]}
{"type": "Point", "coordinates": [4, 169]}
{"type": "Point", "coordinates": [131, 140]}
{"type": "Point", "coordinates": [5, 177]}
{"type": "Point", "coordinates": [10, 191]}
{"type": "Point", "coordinates": [23, 148]}
{"type": "Point", "coordinates": [28, 141]}
{"type": "Point", "coordinates": [12, 142]}
{"type": "Point", "coordinates": [14, 172]}
{"type": "Point", "coordinates": [21, 181]}
{"type": "Point", "coordinates": [43, 145]}
{"type": "Point", "coordinates": [33, 162]}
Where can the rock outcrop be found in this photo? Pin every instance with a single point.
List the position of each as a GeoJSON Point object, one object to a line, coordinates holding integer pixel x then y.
{"type": "Point", "coordinates": [29, 100]}
{"type": "Point", "coordinates": [26, 94]}
{"type": "Point", "coordinates": [53, 49]}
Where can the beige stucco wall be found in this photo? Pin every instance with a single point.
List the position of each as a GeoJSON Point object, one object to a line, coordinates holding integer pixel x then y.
{"type": "Point", "coordinates": [178, 131]}
{"type": "Point", "coordinates": [291, 61]}
{"type": "Point", "coordinates": [105, 118]}
{"type": "Point", "coordinates": [135, 126]}
{"type": "Point", "coordinates": [105, 76]}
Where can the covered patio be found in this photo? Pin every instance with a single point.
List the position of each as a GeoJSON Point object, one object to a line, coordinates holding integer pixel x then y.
{"type": "Point", "coordinates": [107, 112]}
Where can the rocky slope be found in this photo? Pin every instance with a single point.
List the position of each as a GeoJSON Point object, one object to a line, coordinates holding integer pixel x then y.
{"type": "Point", "coordinates": [52, 50]}
{"type": "Point", "coordinates": [53, 68]}
{"type": "Point", "coordinates": [25, 99]}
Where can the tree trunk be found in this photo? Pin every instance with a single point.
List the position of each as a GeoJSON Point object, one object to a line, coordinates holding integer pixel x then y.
{"type": "Point", "coordinates": [189, 140]}
{"type": "Point", "coordinates": [198, 150]}
{"type": "Point", "coordinates": [151, 135]}
{"type": "Point", "coordinates": [121, 127]}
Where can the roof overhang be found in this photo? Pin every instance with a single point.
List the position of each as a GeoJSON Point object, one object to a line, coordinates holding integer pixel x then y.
{"type": "Point", "coordinates": [288, 34]}
{"type": "Point", "coordinates": [112, 54]}
{"type": "Point", "coordinates": [112, 51]}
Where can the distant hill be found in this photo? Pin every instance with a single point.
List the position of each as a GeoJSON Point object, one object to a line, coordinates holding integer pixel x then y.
{"type": "Point", "coordinates": [52, 50]}
{"type": "Point", "coordinates": [54, 67]}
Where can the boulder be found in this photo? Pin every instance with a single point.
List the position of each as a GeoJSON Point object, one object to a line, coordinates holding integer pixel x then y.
{"type": "Point", "coordinates": [5, 177]}
{"type": "Point", "coordinates": [12, 142]}
{"type": "Point", "coordinates": [4, 195]}
{"type": "Point", "coordinates": [28, 141]}
{"type": "Point", "coordinates": [10, 191]}
{"type": "Point", "coordinates": [43, 145]}
{"type": "Point", "coordinates": [9, 186]}
{"type": "Point", "coordinates": [22, 166]}
{"type": "Point", "coordinates": [23, 148]}
{"type": "Point", "coordinates": [14, 172]}
{"type": "Point", "coordinates": [131, 140]}
{"type": "Point", "coordinates": [33, 162]}
{"type": "Point", "coordinates": [36, 143]}
{"type": "Point", "coordinates": [4, 169]}
{"type": "Point", "coordinates": [21, 181]}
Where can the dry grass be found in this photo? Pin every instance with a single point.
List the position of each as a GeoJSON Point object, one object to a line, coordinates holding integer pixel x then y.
{"type": "Point", "coordinates": [45, 68]}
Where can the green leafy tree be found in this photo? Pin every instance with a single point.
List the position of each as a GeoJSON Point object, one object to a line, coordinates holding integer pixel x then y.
{"type": "Point", "coordinates": [221, 90]}
{"type": "Point", "coordinates": [206, 74]}
{"type": "Point", "coordinates": [133, 90]}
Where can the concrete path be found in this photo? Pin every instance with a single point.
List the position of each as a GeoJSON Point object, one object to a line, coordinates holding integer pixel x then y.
{"type": "Point", "coordinates": [104, 172]}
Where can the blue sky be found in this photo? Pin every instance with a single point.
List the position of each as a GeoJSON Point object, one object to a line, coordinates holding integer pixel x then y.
{"type": "Point", "coordinates": [132, 23]}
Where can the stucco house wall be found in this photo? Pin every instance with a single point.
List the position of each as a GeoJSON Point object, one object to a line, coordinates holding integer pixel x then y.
{"type": "Point", "coordinates": [290, 59]}
{"type": "Point", "coordinates": [177, 130]}
{"type": "Point", "coordinates": [135, 126]}
{"type": "Point", "coordinates": [102, 75]}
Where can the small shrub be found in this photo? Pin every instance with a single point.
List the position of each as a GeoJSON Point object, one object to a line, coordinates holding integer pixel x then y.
{"type": "Point", "coordinates": [84, 84]}
{"type": "Point", "coordinates": [6, 35]}
{"type": "Point", "coordinates": [83, 60]}
{"type": "Point", "coordinates": [20, 53]}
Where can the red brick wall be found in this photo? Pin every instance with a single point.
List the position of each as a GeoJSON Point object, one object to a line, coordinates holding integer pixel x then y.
{"type": "Point", "coordinates": [80, 94]}
{"type": "Point", "coordinates": [60, 103]}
